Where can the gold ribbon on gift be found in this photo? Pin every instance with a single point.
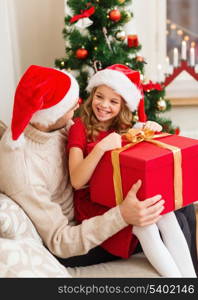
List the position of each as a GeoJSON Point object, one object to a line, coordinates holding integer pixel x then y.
{"type": "Point", "coordinates": [135, 136]}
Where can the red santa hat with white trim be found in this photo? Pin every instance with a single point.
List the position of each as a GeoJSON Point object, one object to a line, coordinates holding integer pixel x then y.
{"type": "Point", "coordinates": [43, 95]}
{"type": "Point", "coordinates": [124, 81]}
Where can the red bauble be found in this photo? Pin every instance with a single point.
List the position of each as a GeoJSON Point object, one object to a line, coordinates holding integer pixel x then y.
{"type": "Point", "coordinates": [115, 15]}
{"type": "Point", "coordinates": [81, 53]}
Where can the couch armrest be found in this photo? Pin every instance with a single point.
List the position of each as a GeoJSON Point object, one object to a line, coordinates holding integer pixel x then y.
{"type": "Point", "coordinates": [14, 223]}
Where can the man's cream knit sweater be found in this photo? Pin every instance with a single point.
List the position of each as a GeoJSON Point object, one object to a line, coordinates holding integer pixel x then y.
{"type": "Point", "coordinates": [36, 177]}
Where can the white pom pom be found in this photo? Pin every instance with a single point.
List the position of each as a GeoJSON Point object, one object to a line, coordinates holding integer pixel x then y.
{"type": "Point", "coordinates": [8, 141]}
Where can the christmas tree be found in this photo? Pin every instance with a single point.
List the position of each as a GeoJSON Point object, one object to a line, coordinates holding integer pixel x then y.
{"type": "Point", "coordinates": [95, 39]}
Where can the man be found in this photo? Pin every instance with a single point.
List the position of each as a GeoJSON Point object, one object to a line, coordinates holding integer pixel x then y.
{"type": "Point", "coordinates": [33, 171]}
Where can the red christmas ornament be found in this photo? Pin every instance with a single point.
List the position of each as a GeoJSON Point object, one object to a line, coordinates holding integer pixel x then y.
{"type": "Point", "coordinates": [115, 15]}
{"type": "Point", "coordinates": [81, 53]}
{"type": "Point", "coordinates": [132, 40]}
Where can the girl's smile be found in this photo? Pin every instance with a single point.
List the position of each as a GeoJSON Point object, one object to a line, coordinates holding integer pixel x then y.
{"type": "Point", "coordinates": [106, 103]}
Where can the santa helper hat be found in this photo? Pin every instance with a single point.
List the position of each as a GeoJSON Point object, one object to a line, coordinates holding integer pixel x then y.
{"type": "Point", "coordinates": [124, 81]}
{"type": "Point", "coordinates": [43, 95]}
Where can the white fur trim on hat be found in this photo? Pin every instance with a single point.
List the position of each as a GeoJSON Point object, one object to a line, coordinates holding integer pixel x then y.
{"type": "Point", "coordinates": [120, 83]}
{"type": "Point", "coordinates": [50, 115]}
{"type": "Point", "coordinates": [8, 141]}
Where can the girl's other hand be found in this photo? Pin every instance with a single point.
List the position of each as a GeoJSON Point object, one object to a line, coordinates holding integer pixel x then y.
{"type": "Point", "coordinates": [153, 126]}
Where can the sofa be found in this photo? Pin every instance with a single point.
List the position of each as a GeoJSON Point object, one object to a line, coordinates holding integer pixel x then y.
{"type": "Point", "coordinates": [23, 254]}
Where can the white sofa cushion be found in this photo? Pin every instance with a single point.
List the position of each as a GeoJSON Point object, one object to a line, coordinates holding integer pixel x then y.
{"type": "Point", "coordinates": [22, 258]}
{"type": "Point", "coordinates": [14, 223]}
{"type": "Point", "coordinates": [22, 253]}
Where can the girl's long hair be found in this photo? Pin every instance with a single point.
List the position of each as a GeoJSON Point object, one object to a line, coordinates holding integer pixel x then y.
{"type": "Point", "coordinates": [120, 124]}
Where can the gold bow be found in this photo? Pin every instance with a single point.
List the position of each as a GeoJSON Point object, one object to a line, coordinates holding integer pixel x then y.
{"type": "Point", "coordinates": [135, 136]}
{"type": "Point", "coordinates": [138, 135]}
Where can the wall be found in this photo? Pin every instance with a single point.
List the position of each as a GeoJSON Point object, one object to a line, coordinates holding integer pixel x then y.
{"type": "Point", "coordinates": [186, 118]}
{"type": "Point", "coordinates": [7, 74]}
{"type": "Point", "coordinates": [31, 32]}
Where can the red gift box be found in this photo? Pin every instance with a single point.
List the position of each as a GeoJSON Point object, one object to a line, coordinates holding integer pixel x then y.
{"type": "Point", "coordinates": [154, 166]}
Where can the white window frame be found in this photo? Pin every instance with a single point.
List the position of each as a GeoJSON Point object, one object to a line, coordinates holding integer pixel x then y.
{"type": "Point", "coordinates": [149, 22]}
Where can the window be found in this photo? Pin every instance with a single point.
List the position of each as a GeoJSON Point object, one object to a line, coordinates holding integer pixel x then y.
{"type": "Point", "coordinates": [182, 46]}
{"type": "Point", "coordinates": [182, 25]}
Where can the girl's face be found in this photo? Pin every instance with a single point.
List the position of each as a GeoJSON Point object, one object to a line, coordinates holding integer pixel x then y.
{"type": "Point", "coordinates": [106, 104]}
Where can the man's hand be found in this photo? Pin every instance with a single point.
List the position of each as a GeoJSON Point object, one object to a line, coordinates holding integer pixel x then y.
{"type": "Point", "coordinates": [141, 213]}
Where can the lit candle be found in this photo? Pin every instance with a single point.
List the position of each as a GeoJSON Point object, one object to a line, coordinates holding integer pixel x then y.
{"type": "Point", "coordinates": [184, 50]}
{"type": "Point", "coordinates": [192, 56]}
{"type": "Point", "coordinates": [175, 57]}
{"type": "Point", "coordinates": [160, 77]}
{"type": "Point", "coordinates": [167, 65]}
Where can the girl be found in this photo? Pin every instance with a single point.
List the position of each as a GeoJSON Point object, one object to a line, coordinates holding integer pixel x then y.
{"type": "Point", "coordinates": [115, 93]}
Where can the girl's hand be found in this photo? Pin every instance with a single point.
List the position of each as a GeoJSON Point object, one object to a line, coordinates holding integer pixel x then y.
{"type": "Point", "coordinates": [153, 126]}
{"type": "Point", "coordinates": [110, 142]}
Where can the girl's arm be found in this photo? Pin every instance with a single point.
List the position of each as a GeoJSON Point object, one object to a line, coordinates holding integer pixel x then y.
{"type": "Point", "coordinates": [80, 168]}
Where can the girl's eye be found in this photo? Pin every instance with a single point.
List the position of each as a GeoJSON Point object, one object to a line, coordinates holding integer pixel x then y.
{"type": "Point", "coordinates": [114, 102]}
{"type": "Point", "coordinates": [99, 96]}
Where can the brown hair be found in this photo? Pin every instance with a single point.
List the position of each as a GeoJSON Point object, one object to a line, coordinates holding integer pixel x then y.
{"type": "Point", "coordinates": [120, 124]}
